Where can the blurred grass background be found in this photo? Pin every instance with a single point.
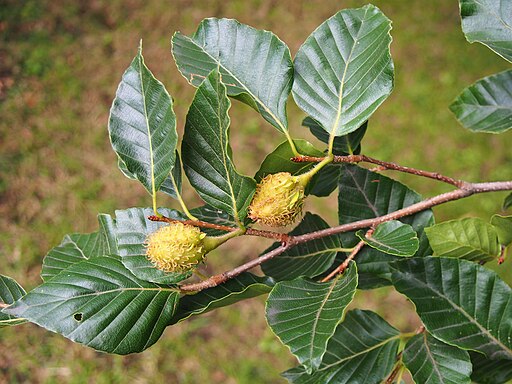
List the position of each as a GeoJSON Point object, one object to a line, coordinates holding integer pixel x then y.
{"type": "Point", "coordinates": [60, 63]}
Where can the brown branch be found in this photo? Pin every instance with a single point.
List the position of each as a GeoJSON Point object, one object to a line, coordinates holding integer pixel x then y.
{"type": "Point", "coordinates": [468, 189]}
{"type": "Point", "coordinates": [221, 278]}
{"type": "Point", "coordinates": [383, 165]}
{"type": "Point", "coordinates": [341, 268]}
{"type": "Point", "coordinates": [398, 367]}
{"type": "Point", "coordinates": [3, 305]}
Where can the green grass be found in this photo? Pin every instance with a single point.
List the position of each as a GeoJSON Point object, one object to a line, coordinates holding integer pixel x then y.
{"type": "Point", "coordinates": [61, 64]}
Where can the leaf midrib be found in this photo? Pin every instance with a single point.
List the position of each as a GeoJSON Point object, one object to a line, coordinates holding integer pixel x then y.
{"type": "Point", "coordinates": [281, 125]}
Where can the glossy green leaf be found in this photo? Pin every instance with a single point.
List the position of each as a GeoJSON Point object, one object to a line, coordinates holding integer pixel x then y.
{"type": "Point", "coordinates": [79, 247]}
{"type": "Point", "coordinates": [364, 195]}
{"type": "Point", "coordinates": [132, 227]}
{"type": "Point", "coordinates": [392, 237]}
{"type": "Point", "coordinates": [487, 371]}
{"type": "Point", "coordinates": [507, 203]}
{"type": "Point", "coordinates": [503, 227]}
{"type": "Point", "coordinates": [362, 350]}
{"type": "Point", "coordinates": [343, 145]}
{"type": "Point", "coordinates": [244, 286]}
{"type": "Point", "coordinates": [206, 152]}
{"type": "Point", "coordinates": [142, 126]}
{"type": "Point", "coordinates": [344, 71]}
{"type": "Point", "coordinates": [170, 185]}
{"type": "Point", "coordinates": [279, 159]}
{"type": "Point", "coordinates": [488, 22]}
{"type": "Point", "coordinates": [469, 238]}
{"type": "Point", "coordinates": [10, 291]}
{"type": "Point", "coordinates": [304, 313]}
{"type": "Point", "coordinates": [326, 181]}
{"type": "Point", "coordinates": [460, 302]}
{"type": "Point", "coordinates": [99, 303]}
{"type": "Point", "coordinates": [308, 259]}
{"type": "Point", "coordinates": [486, 106]}
{"type": "Point", "coordinates": [431, 361]}
{"type": "Point", "coordinates": [255, 65]}
{"type": "Point", "coordinates": [214, 216]}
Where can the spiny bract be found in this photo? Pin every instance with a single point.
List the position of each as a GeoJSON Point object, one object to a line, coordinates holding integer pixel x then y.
{"type": "Point", "coordinates": [176, 247]}
{"type": "Point", "coordinates": [278, 200]}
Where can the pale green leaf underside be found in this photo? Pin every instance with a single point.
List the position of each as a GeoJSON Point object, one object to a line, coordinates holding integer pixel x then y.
{"type": "Point", "coordinates": [489, 22]}
{"type": "Point", "coordinates": [99, 303]}
{"type": "Point", "coordinates": [206, 153]}
{"type": "Point", "coordinates": [244, 286]}
{"type": "Point", "coordinates": [344, 71]}
{"type": "Point", "coordinates": [503, 226]}
{"type": "Point", "coordinates": [431, 361]}
{"type": "Point", "coordinates": [469, 238]}
{"type": "Point", "coordinates": [255, 65]}
{"type": "Point", "coordinates": [362, 350]}
{"type": "Point", "coordinates": [486, 106]}
{"type": "Point", "coordinates": [459, 302]}
{"type": "Point", "coordinates": [142, 126]}
{"type": "Point", "coordinates": [10, 291]}
{"type": "Point", "coordinates": [393, 237]}
{"type": "Point", "coordinates": [308, 259]}
{"type": "Point", "coordinates": [132, 228]}
{"type": "Point", "coordinates": [304, 313]}
{"type": "Point", "coordinates": [79, 247]}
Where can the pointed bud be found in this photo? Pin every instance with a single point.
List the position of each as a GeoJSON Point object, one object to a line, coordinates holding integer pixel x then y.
{"type": "Point", "coordinates": [278, 200]}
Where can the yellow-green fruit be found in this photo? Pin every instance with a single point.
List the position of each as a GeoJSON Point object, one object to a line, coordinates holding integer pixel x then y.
{"type": "Point", "coordinates": [176, 247]}
{"type": "Point", "coordinates": [278, 200]}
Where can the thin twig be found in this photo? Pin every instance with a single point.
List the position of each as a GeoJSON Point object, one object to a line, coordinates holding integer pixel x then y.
{"type": "Point", "coordinates": [468, 189]}
{"type": "Point", "coordinates": [3, 305]}
{"type": "Point", "coordinates": [341, 268]}
{"type": "Point", "coordinates": [282, 237]}
{"type": "Point", "coordinates": [384, 165]}
{"type": "Point", "coordinates": [395, 371]}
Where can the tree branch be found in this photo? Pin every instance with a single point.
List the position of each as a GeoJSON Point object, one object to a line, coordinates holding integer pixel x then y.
{"type": "Point", "coordinates": [341, 268]}
{"type": "Point", "coordinates": [466, 190]}
{"type": "Point", "coordinates": [353, 159]}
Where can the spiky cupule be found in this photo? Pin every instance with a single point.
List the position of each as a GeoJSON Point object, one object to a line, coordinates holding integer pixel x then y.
{"type": "Point", "coordinates": [177, 247]}
{"type": "Point", "coordinates": [278, 200]}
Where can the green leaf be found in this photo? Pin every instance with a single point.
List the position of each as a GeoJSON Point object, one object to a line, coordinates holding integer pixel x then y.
{"type": "Point", "coordinates": [392, 237]}
{"type": "Point", "coordinates": [488, 22]}
{"type": "Point", "coordinates": [344, 71]}
{"type": "Point", "coordinates": [214, 216]}
{"type": "Point", "coordinates": [366, 195]}
{"type": "Point", "coordinates": [469, 238]}
{"type": "Point", "coordinates": [308, 259]}
{"type": "Point", "coordinates": [142, 126]}
{"type": "Point", "coordinates": [459, 302]}
{"type": "Point", "coordinates": [99, 303]}
{"type": "Point", "coordinates": [256, 66]}
{"type": "Point", "coordinates": [171, 184]}
{"type": "Point", "coordinates": [79, 247]}
{"type": "Point", "coordinates": [244, 286]}
{"type": "Point", "coordinates": [343, 145]}
{"type": "Point", "coordinates": [132, 228]}
{"type": "Point", "coordinates": [486, 106]}
{"type": "Point", "coordinates": [326, 181]}
{"type": "Point", "coordinates": [503, 227]}
{"type": "Point", "coordinates": [362, 350]}
{"type": "Point", "coordinates": [10, 291]}
{"type": "Point", "coordinates": [507, 203]}
{"type": "Point", "coordinates": [432, 361]}
{"type": "Point", "coordinates": [304, 313]}
{"type": "Point", "coordinates": [207, 155]}
{"type": "Point", "coordinates": [279, 159]}
{"type": "Point", "coordinates": [487, 371]}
